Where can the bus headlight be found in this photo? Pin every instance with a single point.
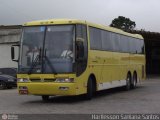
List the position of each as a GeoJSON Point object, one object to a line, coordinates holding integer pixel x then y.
{"type": "Point", "coordinates": [22, 80]}
{"type": "Point", "coordinates": [65, 80]}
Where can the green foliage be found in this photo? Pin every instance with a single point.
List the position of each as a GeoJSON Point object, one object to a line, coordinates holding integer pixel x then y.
{"type": "Point", "coordinates": [123, 23]}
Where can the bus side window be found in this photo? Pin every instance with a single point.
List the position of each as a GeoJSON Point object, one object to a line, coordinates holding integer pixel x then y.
{"type": "Point", "coordinates": [81, 49]}
{"type": "Point", "coordinates": [81, 42]}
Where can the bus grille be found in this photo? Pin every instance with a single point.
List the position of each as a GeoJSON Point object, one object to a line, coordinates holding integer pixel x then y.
{"type": "Point", "coordinates": [42, 80]}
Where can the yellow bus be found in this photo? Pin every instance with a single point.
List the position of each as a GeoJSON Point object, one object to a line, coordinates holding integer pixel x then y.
{"type": "Point", "coordinates": [73, 57]}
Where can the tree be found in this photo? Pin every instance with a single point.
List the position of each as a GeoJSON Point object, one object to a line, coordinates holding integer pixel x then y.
{"type": "Point", "coordinates": [123, 23]}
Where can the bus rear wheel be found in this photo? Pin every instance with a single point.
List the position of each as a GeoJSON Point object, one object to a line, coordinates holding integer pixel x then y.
{"type": "Point", "coordinates": [45, 97]}
{"type": "Point", "coordinates": [128, 82]}
{"type": "Point", "coordinates": [134, 81]}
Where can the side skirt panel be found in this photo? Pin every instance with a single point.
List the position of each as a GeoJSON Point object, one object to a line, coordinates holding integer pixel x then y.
{"type": "Point", "coordinates": [112, 84]}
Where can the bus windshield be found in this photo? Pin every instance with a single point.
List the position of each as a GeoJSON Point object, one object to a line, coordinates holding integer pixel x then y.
{"type": "Point", "coordinates": [47, 49]}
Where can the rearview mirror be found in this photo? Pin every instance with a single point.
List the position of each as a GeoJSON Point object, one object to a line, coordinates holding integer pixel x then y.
{"type": "Point", "coordinates": [12, 53]}
{"type": "Point", "coordinates": [14, 56]}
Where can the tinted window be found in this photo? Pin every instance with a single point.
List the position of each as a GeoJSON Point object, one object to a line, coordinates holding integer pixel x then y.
{"type": "Point", "coordinates": [107, 43]}
{"type": "Point", "coordinates": [81, 49]}
{"type": "Point", "coordinates": [115, 41]}
{"type": "Point", "coordinates": [1, 70]}
{"type": "Point", "coordinates": [95, 39]}
{"type": "Point", "coordinates": [124, 44]}
{"type": "Point", "coordinates": [81, 32]}
{"type": "Point", "coordinates": [136, 45]}
{"type": "Point", "coordinates": [132, 45]}
{"type": "Point", "coordinates": [105, 40]}
{"type": "Point", "coordinates": [140, 46]}
{"type": "Point", "coordinates": [8, 71]}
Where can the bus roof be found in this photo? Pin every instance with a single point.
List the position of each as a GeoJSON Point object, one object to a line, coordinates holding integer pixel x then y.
{"type": "Point", "coordinates": [75, 21]}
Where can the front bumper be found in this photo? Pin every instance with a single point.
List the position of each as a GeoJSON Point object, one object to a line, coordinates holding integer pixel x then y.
{"type": "Point", "coordinates": [47, 88]}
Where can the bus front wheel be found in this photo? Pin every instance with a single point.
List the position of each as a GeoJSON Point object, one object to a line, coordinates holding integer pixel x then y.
{"type": "Point", "coordinates": [90, 89]}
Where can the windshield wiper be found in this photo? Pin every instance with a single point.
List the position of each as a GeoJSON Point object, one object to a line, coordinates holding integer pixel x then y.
{"type": "Point", "coordinates": [50, 65]}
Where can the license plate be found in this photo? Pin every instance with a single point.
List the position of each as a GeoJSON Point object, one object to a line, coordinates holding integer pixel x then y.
{"type": "Point", "coordinates": [24, 92]}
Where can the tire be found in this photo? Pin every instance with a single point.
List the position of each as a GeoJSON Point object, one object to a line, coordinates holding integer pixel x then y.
{"type": "Point", "coordinates": [2, 85]}
{"type": "Point", "coordinates": [90, 89]}
{"type": "Point", "coordinates": [45, 98]}
{"type": "Point", "coordinates": [134, 81]}
{"type": "Point", "coordinates": [9, 87]}
{"type": "Point", "coordinates": [128, 82]}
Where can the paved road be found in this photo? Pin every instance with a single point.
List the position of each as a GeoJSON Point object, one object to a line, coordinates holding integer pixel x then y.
{"type": "Point", "coordinates": [144, 99]}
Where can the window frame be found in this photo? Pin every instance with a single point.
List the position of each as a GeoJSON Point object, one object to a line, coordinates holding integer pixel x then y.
{"type": "Point", "coordinates": [119, 51]}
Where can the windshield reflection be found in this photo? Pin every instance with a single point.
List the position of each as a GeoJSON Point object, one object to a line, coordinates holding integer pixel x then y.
{"type": "Point", "coordinates": [47, 49]}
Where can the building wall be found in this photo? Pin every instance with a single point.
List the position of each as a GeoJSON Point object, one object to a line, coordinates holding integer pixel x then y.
{"type": "Point", "coordinates": [5, 56]}
{"type": "Point", "coordinates": [8, 37]}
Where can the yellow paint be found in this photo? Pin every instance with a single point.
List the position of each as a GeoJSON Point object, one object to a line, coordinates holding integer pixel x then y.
{"type": "Point", "coordinates": [106, 66]}
{"type": "Point", "coordinates": [74, 21]}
